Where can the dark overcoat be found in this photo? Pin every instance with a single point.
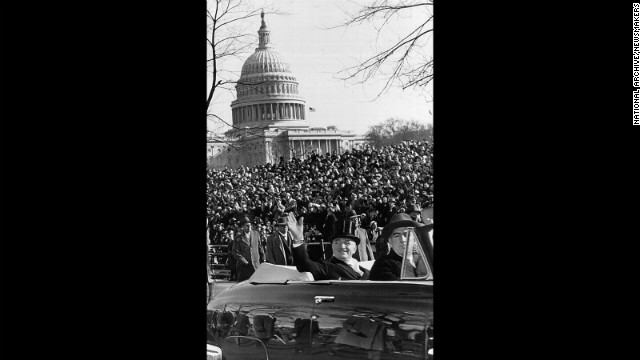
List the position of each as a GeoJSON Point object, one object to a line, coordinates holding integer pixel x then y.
{"type": "Point", "coordinates": [332, 269]}
{"type": "Point", "coordinates": [248, 254]}
{"type": "Point", "coordinates": [364, 253]}
{"type": "Point", "coordinates": [278, 249]}
{"type": "Point", "coordinates": [386, 267]}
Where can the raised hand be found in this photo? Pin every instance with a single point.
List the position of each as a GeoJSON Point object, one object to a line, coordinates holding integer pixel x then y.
{"type": "Point", "coordinates": [296, 228]}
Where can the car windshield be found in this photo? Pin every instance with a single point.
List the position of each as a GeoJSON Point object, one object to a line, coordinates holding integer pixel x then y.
{"type": "Point", "coordinates": [415, 265]}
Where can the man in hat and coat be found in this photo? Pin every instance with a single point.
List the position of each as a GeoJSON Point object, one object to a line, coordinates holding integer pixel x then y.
{"type": "Point", "coordinates": [364, 253]}
{"type": "Point", "coordinates": [395, 233]}
{"type": "Point", "coordinates": [278, 249]}
{"type": "Point", "coordinates": [341, 266]}
{"type": "Point", "coordinates": [247, 250]}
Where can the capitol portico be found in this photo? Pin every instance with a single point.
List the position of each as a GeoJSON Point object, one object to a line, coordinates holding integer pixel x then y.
{"type": "Point", "coordinates": [269, 116]}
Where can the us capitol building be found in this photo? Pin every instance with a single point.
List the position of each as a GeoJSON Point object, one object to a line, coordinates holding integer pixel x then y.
{"type": "Point", "coordinates": [269, 117]}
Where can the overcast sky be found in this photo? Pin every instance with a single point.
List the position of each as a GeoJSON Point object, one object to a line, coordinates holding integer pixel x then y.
{"type": "Point", "coordinates": [316, 54]}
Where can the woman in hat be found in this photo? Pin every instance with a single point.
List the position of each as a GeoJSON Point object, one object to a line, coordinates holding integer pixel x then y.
{"type": "Point", "coordinates": [395, 233]}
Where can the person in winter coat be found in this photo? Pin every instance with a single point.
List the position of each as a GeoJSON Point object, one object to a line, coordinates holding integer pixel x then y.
{"type": "Point", "coordinates": [247, 250]}
{"type": "Point", "coordinates": [341, 266]}
{"type": "Point", "coordinates": [389, 266]}
{"type": "Point", "coordinates": [364, 253]}
{"type": "Point", "coordinates": [278, 250]}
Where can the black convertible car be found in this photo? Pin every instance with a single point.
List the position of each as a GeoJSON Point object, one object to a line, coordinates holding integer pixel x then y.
{"type": "Point", "coordinates": [280, 313]}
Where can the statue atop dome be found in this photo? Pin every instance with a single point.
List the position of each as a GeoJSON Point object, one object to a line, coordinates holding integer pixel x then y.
{"type": "Point", "coordinates": [263, 34]}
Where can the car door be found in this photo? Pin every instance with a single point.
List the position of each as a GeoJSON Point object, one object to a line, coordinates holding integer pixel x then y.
{"type": "Point", "coordinates": [317, 320]}
{"type": "Point", "coordinates": [331, 319]}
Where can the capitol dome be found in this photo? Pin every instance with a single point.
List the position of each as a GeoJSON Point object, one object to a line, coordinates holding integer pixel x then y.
{"type": "Point", "coordinates": [267, 91]}
{"type": "Point", "coordinates": [269, 117]}
{"type": "Point", "coordinates": [264, 61]}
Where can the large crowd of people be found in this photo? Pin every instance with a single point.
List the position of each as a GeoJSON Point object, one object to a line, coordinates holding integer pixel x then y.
{"type": "Point", "coordinates": [376, 183]}
{"type": "Point", "coordinates": [323, 189]}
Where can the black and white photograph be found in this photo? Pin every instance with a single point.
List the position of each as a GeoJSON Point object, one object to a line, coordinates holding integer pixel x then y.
{"type": "Point", "coordinates": [320, 195]}
{"type": "Point", "coordinates": [316, 151]}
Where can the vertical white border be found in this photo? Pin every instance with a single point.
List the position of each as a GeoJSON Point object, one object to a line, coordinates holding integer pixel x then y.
{"type": "Point", "coordinates": [636, 44]}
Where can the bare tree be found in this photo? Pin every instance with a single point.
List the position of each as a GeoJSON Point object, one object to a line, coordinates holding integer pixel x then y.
{"type": "Point", "coordinates": [404, 60]}
{"type": "Point", "coordinates": [393, 131]}
{"type": "Point", "coordinates": [231, 35]}
{"type": "Point", "coordinates": [227, 37]}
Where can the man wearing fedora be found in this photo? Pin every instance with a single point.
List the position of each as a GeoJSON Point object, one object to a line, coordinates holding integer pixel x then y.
{"type": "Point", "coordinates": [395, 233]}
{"type": "Point", "coordinates": [247, 250]}
{"type": "Point", "coordinates": [278, 250]}
{"type": "Point", "coordinates": [341, 266]}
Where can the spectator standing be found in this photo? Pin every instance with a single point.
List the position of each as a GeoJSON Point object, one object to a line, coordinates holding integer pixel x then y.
{"type": "Point", "coordinates": [279, 243]}
{"type": "Point", "coordinates": [329, 223]}
{"type": "Point", "coordinates": [231, 261]}
{"type": "Point", "coordinates": [364, 251]}
{"type": "Point", "coordinates": [247, 250]}
{"type": "Point", "coordinates": [315, 217]}
{"type": "Point", "coordinates": [373, 234]}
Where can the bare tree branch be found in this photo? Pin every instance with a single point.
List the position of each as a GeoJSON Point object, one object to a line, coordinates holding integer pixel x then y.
{"type": "Point", "coordinates": [397, 62]}
{"type": "Point", "coordinates": [228, 39]}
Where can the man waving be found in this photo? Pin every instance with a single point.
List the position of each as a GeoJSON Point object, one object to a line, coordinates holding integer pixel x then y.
{"type": "Point", "coordinates": [341, 266]}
